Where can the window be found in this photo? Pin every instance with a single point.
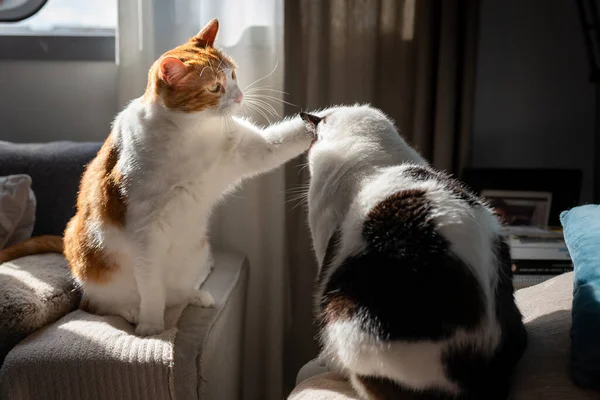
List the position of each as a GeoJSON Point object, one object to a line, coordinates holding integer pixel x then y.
{"type": "Point", "coordinates": [60, 29]}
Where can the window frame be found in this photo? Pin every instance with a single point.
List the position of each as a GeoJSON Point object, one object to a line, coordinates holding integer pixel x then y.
{"type": "Point", "coordinates": [92, 47]}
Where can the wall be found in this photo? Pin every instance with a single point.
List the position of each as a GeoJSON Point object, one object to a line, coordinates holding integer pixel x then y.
{"type": "Point", "coordinates": [534, 106]}
{"type": "Point", "coordinates": [57, 100]}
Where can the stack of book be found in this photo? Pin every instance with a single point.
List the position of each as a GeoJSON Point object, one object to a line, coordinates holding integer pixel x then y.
{"type": "Point", "coordinates": [538, 254]}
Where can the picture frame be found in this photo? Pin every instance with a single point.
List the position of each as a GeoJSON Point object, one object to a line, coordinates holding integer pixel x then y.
{"type": "Point", "coordinates": [520, 208]}
{"type": "Point", "coordinates": [564, 184]}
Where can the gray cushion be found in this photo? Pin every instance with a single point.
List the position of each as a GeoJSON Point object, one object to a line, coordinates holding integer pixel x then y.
{"type": "Point", "coordinates": [55, 169]}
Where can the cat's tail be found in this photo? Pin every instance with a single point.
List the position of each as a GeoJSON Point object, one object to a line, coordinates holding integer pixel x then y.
{"type": "Point", "coordinates": [35, 245]}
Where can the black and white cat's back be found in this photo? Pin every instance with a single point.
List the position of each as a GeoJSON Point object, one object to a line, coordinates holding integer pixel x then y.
{"type": "Point", "coordinates": [419, 282]}
{"type": "Point", "coordinates": [414, 292]}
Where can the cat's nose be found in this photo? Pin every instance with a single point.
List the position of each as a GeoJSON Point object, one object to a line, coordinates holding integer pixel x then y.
{"type": "Point", "coordinates": [239, 98]}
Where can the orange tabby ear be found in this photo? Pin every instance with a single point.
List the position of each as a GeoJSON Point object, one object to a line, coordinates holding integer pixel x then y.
{"type": "Point", "coordinates": [206, 37]}
{"type": "Point", "coordinates": [172, 70]}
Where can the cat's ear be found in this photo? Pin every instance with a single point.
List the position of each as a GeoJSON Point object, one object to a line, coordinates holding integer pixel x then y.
{"type": "Point", "coordinates": [171, 70]}
{"type": "Point", "coordinates": [206, 36]}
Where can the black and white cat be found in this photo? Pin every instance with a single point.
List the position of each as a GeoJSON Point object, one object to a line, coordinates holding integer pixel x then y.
{"type": "Point", "coordinates": [414, 296]}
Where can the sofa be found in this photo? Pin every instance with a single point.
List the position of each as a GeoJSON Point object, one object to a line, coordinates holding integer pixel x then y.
{"type": "Point", "coordinates": [542, 374]}
{"type": "Point", "coordinates": [78, 355]}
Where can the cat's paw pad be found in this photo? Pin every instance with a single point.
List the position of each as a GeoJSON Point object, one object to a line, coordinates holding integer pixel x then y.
{"type": "Point", "coordinates": [149, 329]}
{"type": "Point", "coordinates": [201, 298]}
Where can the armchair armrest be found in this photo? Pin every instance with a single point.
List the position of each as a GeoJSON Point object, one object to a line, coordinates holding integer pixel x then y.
{"type": "Point", "coordinates": [99, 356]}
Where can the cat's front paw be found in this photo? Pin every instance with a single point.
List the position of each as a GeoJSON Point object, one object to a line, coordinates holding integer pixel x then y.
{"type": "Point", "coordinates": [130, 314]}
{"type": "Point", "coordinates": [201, 298]}
{"type": "Point", "coordinates": [149, 329]}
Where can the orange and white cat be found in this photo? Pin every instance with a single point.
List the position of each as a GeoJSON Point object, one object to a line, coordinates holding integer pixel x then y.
{"type": "Point", "coordinates": [138, 241]}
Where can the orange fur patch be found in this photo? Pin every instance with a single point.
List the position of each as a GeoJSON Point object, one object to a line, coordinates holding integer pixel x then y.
{"type": "Point", "coordinates": [101, 199]}
{"type": "Point", "coordinates": [88, 264]}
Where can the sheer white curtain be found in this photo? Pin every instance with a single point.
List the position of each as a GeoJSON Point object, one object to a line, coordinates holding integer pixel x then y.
{"type": "Point", "coordinates": [252, 219]}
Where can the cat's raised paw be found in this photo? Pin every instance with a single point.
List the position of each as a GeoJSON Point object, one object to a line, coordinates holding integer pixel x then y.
{"type": "Point", "coordinates": [201, 298]}
{"type": "Point", "coordinates": [149, 329]}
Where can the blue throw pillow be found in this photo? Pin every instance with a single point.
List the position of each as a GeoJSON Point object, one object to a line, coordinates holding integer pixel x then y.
{"type": "Point", "coordinates": [582, 235]}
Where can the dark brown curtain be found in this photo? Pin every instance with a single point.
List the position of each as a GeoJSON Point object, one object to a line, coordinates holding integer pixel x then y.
{"type": "Point", "coordinates": [414, 59]}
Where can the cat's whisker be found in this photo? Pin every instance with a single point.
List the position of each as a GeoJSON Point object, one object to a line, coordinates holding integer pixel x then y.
{"type": "Point", "coordinates": [266, 106]}
{"type": "Point", "coordinates": [256, 101]}
{"type": "Point", "coordinates": [300, 204]}
{"type": "Point", "coordinates": [271, 98]}
{"type": "Point", "coordinates": [255, 108]}
{"type": "Point", "coordinates": [201, 72]}
{"type": "Point", "coordinates": [275, 98]}
{"type": "Point", "coordinates": [226, 123]}
{"type": "Point", "coordinates": [302, 186]}
{"type": "Point", "coordinates": [211, 67]}
{"type": "Point", "coordinates": [297, 202]}
{"type": "Point", "coordinates": [229, 124]}
{"type": "Point", "coordinates": [251, 109]}
{"type": "Point", "coordinates": [270, 111]}
{"type": "Point", "coordinates": [302, 168]}
{"type": "Point", "coordinates": [264, 77]}
{"type": "Point", "coordinates": [263, 88]}
{"type": "Point", "coordinates": [220, 62]}
{"type": "Point", "coordinates": [297, 192]}
{"type": "Point", "coordinates": [297, 197]}
{"type": "Point", "coordinates": [243, 108]}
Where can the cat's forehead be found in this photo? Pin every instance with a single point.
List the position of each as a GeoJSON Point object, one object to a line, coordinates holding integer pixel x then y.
{"type": "Point", "coordinates": [200, 57]}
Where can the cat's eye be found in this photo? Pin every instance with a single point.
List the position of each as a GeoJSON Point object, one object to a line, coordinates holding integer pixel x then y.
{"type": "Point", "coordinates": [233, 75]}
{"type": "Point", "coordinates": [214, 88]}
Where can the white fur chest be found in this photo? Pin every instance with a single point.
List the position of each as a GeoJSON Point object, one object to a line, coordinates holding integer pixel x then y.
{"type": "Point", "coordinates": [186, 211]}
